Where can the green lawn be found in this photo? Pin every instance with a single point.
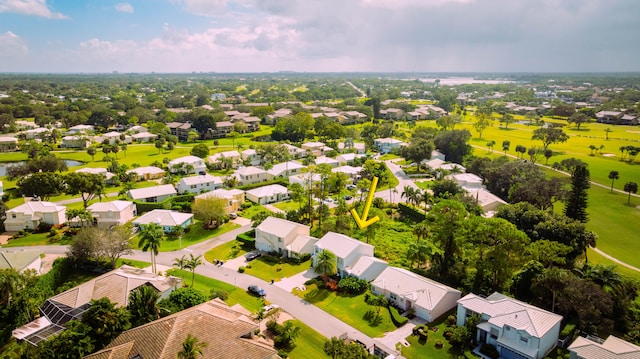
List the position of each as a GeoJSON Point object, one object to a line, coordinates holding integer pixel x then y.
{"type": "Point", "coordinates": [132, 263]}
{"type": "Point", "coordinates": [253, 210]}
{"type": "Point", "coordinates": [351, 310]}
{"type": "Point", "coordinates": [309, 343]}
{"type": "Point", "coordinates": [197, 234]}
{"type": "Point", "coordinates": [427, 350]}
{"type": "Point", "coordinates": [596, 258]}
{"type": "Point", "coordinates": [33, 239]}
{"type": "Point", "coordinates": [424, 184]}
{"type": "Point", "coordinates": [229, 250]}
{"type": "Point", "coordinates": [268, 270]}
{"type": "Point", "coordinates": [287, 206]}
{"type": "Point", "coordinates": [236, 295]}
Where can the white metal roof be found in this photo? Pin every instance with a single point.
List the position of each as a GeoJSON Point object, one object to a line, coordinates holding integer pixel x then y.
{"type": "Point", "coordinates": [140, 193]}
{"type": "Point", "coordinates": [163, 217]}
{"type": "Point", "coordinates": [115, 206]}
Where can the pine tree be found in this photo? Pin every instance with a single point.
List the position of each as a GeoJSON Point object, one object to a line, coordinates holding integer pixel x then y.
{"type": "Point", "coordinates": [576, 206]}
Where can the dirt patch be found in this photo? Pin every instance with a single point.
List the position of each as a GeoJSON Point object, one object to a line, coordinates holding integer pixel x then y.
{"type": "Point", "coordinates": [4, 237]}
{"type": "Point", "coordinates": [608, 155]}
{"type": "Point", "coordinates": [47, 262]}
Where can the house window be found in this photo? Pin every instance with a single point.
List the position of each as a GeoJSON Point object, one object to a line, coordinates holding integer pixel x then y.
{"type": "Point", "coordinates": [13, 215]}
{"type": "Point", "coordinates": [193, 186]}
{"type": "Point", "coordinates": [524, 339]}
{"type": "Point", "coordinates": [392, 296]}
{"type": "Point", "coordinates": [507, 328]}
{"type": "Point", "coordinates": [494, 333]}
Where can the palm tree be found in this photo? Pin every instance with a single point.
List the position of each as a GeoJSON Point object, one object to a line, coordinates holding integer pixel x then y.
{"type": "Point", "coordinates": [9, 285]}
{"type": "Point", "coordinates": [554, 280]}
{"type": "Point", "coordinates": [630, 187]}
{"type": "Point", "coordinates": [408, 193]}
{"type": "Point", "coordinates": [289, 333]}
{"type": "Point", "coordinates": [613, 175]}
{"type": "Point", "coordinates": [143, 305]}
{"type": "Point", "coordinates": [424, 197]}
{"type": "Point", "coordinates": [181, 263]}
{"type": "Point", "coordinates": [421, 231]}
{"type": "Point", "coordinates": [325, 263]}
{"type": "Point", "coordinates": [151, 237]}
{"type": "Point", "coordinates": [606, 132]}
{"type": "Point", "coordinates": [191, 348]}
{"type": "Point", "coordinates": [192, 264]}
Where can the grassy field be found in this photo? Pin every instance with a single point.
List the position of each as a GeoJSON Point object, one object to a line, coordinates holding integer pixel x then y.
{"type": "Point", "coordinates": [267, 270]}
{"type": "Point", "coordinates": [428, 350]}
{"type": "Point", "coordinates": [309, 343]}
{"type": "Point", "coordinates": [197, 234]}
{"type": "Point", "coordinates": [287, 206]}
{"type": "Point", "coordinates": [596, 258]}
{"type": "Point", "coordinates": [351, 310]}
{"type": "Point", "coordinates": [225, 251]}
{"type": "Point", "coordinates": [33, 239]}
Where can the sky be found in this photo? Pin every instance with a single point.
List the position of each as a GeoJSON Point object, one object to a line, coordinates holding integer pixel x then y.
{"type": "Point", "coordinates": [73, 36]}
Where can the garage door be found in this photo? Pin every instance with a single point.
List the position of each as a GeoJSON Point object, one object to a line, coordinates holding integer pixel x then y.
{"type": "Point", "coordinates": [507, 353]}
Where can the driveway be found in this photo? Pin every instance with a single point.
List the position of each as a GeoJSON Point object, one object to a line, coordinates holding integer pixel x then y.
{"type": "Point", "coordinates": [296, 281]}
{"type": "Point", "coordinates": [393, 195]}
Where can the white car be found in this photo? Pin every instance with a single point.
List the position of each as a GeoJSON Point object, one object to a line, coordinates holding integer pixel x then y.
{"type": "Point", "coordinates": [270, 307]}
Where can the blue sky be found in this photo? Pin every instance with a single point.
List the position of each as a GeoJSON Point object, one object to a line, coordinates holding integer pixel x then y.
{"type": "Point", "coordinates": [319, 35]}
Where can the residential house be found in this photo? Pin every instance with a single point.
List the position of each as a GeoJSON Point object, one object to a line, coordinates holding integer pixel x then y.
{"type": "Point", "coordinates": [152, 194]}
{"type": "Point", "coordinates": [284, 170]}
{"type": "Point", "coordinates": [275, 234]}
{"type": "Point", "coordinates": [147, 173]}
{"type": "Point", "coordinates": [232, 113]}
{"type": "Point", "coordinates": [453, 167]}
{"type": "Point", "coordinates": [327, 161]}
{"type": "Point", "coordinates": [437, 154]}
{"type": "Point", "coordinates": [33, 213]}
{"type": "Point", "coordinates": [21, 260]}
{"type": "Point", "coordinates": [353, 172]}
{"type": "Point", "coordinates": [187, 164]}
{"type": "Point", "coordinates": [268, 194]}
{"type": "Point", "coordinates": [136, 129]}
{"type": "Point", "coordinates": [233, 157]}
{"type": "Point", "coordinates": [234, 198]}
{"type": "Point", "coordinates": [283, 112]}
{"type": "Point", "coordinates": [252, 157]}
{"type": "Point", "coordinates": [467, 180]}
{"type": "Point", "coordinates": [228, 332]}
{"type": "Point", "coordinates": [386, 145]}
{"type": "Point", "coordinates": [348, 158]}
{"type": "Point", "coordinates": [141, 137]}
{"type": "Point", "coordinates": [167, 219]}
{"type": "Point", "coordinates": [80, 129]}
{"type": "Point", "coordinates": [252, 122]}
{"type": "Point", "coordinates": [629, 120]}
{"type": "Point", "coordinates": [367, 268]}
{"type": "Point", "coordinates": [113, 137]}
{"type": "Point", "coordinates": [612, 117]}
{"type": "Point", "coordinates": [357, 147]}
{"type": "Point", "coordinates": [25, 125]}
{"type": "Point", "coordinates": [75, 141]}
{"type": "Point", "coordinates": [295, 152]}
{"type": "Point", "coordinates": [351, 117]}
{"type": "Point", "coordinates": [114, 213]}
{"type": "Point", "coordinates": [516, 329]}
{"type": "Point", "coordinates": [305, 179]}
{"type": "Point", "coordinates": [35, 133]}
{"type": "Point", "coordinates": [302, 245]}
{"type": "Point", "coordinates": [250, 175]}
{"type": "Point", "coordinates": [429, 299]}
{"type": "Point", "coordinates": [180, 129]}
{"type": "Point", "coordinates": [199, 184]}
{"type": "Point", "coordinates": [392, 113]}
{"type": "Point", "coordinates": [487, 200]}
{"type": "Point", "coordinates": [316, 148]}
{"type": "Point", "coordinates": [434, 163]}
{"type": "Point", "coordinates": [346, 249]}
{"type": "Point", "coordinates": [8, 144]}
{"type": "Point", "coordinates": [596, 348]}
{"type": "Point", "coordinates": [73, 303]}
{"type": "Point", "coordinates": [223, 128]}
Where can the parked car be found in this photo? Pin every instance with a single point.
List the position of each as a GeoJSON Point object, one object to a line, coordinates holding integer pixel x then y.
{"type": "Point", "coordinates": [351, 187]}
{"type": "Point", "coordinates": [252, 255]}
{"type": "Point", "coordinates": [233, 215]}
{"type": "Point", "coordinates": [270, 307]}
{"type": "Point", "coordinates": [347, 197]}
{"type": "Point", "coordinates": [256, 290]}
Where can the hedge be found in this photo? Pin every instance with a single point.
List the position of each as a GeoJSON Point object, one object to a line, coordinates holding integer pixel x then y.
{"type": "Point", "coordinates": [280, 181]}
{"type": "Point", "coordinates": [411, 213]}
{"type": "Point", "coordinates": [168, 203]}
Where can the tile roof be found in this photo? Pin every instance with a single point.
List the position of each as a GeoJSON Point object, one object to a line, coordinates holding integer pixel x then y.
{"type": "Point", "coordinates": [32, 207]}
{"type": "Point", "coordinates": [163, 217]}
{"type": "Point", "coordinates": [251, 170]}
{"type": "Point", "coordinates": [115, 206]}
{"type": "Point", "coordinates": [612, 348]}
{"type": "Point", "coordinates": [504, 310]}
{"type": "Point", "coordinates": [147, 169]}
{"type": "Point", "coordinates": [226, 331]}
{"type": "Point", "coordinates": [268, 191]}
{"type": "Point", "coordinates": [186, 160]}
{"type": "Point", "coordinates": [220, 193]}
{"type": "Point", "coordinates": [278, 226]}
{"type": "Point", "coordinates": [280, 168]}
{"type": "Point", "coordinates": [206, 178]}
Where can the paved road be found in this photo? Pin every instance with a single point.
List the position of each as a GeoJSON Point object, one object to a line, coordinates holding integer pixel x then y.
{"type": "Point", "coordinates": [394, 194]}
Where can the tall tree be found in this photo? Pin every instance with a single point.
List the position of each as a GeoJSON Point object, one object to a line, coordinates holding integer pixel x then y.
{"type": "Point", "coordinates": [549, 135]}
{"type": "Point", "coordinates": [106, 321]}
{"type": "Point", "coordinates": [630, 187]}
{"type": "Point", "coordinates": [507, 119]}
{"type": "Point", "coordinates": [576, 206]}
{"type": "Point", "coordinates": [325, 263]}
{"type": "Point", "coordinates": [446, 218]}
{"type": "Point", "coordinates": [578, 119]}
{"type": "Point", "coordinates": [192, 264]}
{"type": "Point", "coordinates": [192, 348]}
{"type": "Point", "coordinates": [483, 121]}
{"type": "Point", "coordinates": [212, 211]}
{"type": "Point", "coordinates": [454, 144]}
{"type": "Point", "coordinates": [613, 176]}
{"type": "Point", "coordinates": [200, 150]}
{"type": "Point", "coordinates": [87, 185]}
{"type": "Point", "coordinates": [151, 237]}
{"type": "Point", "coordinates": [41, 184]}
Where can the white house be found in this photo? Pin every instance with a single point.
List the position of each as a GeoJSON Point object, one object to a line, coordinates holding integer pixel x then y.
{"type": "Point", "coordinates": [136, 129]}
{"type": "Point", "coordinates": [487, 200]}
{"type": "Point", "coordinates": [428, 298]}
{"type": "Point", "coordinates": [327, 161]}
{"type": "Point", "coordinates": [234, 197]}
{"type": "Point", "coordinates": [152, 194]}
{"type": "Point", "coordinates": [165, 218]}
{"type": "Point", "coordinates": [8, 144]}
{"type": "Point", "coordinates": [21, 260]}
{"type": "Point", "coordinates": [353, 172]}
{"type": "Point", "coordinates": [35, 133]}
{"type": "Point", "coordinates": [346, 249]}
{"type": "Point", "coordinates": [467, 180]}
{"type": "Point", "coordinates": [75, 142]}
{"type": "Point", "coordinates": [367, 268]}
{"type": "Point", "coordinates": [275, 234]}
{"type": "Point", "coordinates": [233, 156]}
{"type": "Point", "coordinates": [199, 183]}
{"type": "Point", "coordinates": [517, 329]}
{"type": "Point", "coordinates": [285, 169]}
{"type": "Point", "coordinates": [80, 129]}
{"type": "Point", "coordinates": [316, 148]}
{"type": "Point", "coordinates": [348, 158]}
{"type": "Point", "coordinates": [268, 194]}
{"type": "Point", "coordinates": [386, 145]}
{"type": "Point", "coordinates": [109, 177]}
{"type": "Point", "coordinates": [252, 156]}
{"type": "Point", "coordinates": [611, 348]}
{"type": "Point", "coordinates": [144, 137]}
{"type": "Point", "coordinates": [113, 137]}
{"type": "Point", "coordinates": [32, 213]}
{"type": "Point", "coordinates": [250, 175]}
{"type": "Point", "coordinates": [147, 173]}
{"type": "Point", "coordinates": [182, 164]}
{"type": "Point", "coordinates": [294, 152]}
{"type": "Point", "coordinates": [358, 147]}
{"type": "Point", "coordinates": [107, 214]}
{"type": "Point", "coordinates": [305, 179]}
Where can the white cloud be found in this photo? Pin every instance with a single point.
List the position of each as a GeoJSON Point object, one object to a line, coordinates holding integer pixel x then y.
{"type": "Point", "coordinates": [124, 7]}
{"type": "Point", "coordinates": [12, 45]}
{"type": "Point", "coordinates": [30, 7]}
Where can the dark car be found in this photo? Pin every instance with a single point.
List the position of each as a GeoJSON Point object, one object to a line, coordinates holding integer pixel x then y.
{"type": "Point", "coordinates": [347, 197]}
{"type": "Point", "coordinates": [252, 255]}
{"type": "Point", "coordinates": [257, 291]}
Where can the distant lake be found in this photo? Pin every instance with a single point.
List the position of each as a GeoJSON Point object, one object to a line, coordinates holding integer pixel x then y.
{"type": "Point", "coordinates": [452, 81]}
{"type": "Point", "coordinates": [4, 166]}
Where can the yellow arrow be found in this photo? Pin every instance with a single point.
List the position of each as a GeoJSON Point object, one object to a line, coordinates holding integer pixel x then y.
{"type": "Point", "coordinates": [363, 222]}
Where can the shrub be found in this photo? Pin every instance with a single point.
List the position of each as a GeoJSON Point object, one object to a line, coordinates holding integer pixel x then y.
{"type": "Point", "coordinates": [241, 269]}
{"type": "Point", "coordinates": [44, 227]}
{"type": "Point", "coordinates": [489, 350]}
{"type": "Point", "coordinates": [352, 285]}
{"type": "Point", "coordinates": [439, 344]}
{"type": "Point", "coordinates": [451, 320]}
{"type": "Point", "coordinates": [218, 293]}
